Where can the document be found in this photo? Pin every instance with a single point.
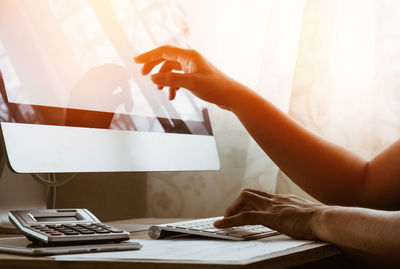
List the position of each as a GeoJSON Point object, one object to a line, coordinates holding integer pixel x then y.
{"type": "Point", "coordinates": [195, 250]}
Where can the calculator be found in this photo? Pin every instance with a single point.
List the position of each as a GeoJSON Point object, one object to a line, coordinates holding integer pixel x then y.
{"type": "Point", "coordinates": [64, 226]}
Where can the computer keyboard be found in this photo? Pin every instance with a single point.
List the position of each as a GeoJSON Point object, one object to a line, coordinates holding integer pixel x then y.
{"type": "Point", "coordinates": [205, 227]}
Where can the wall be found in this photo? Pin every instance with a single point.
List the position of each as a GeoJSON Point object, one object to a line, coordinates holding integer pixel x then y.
{"type": "Point", "coordinates": [110, 196]}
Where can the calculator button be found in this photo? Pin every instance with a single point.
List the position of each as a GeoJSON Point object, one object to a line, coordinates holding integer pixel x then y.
{"type": "Point", "coordinates": [86, 232]}
{"type": "Point", "coordinates": [52, 226]}
{"type": "Point", "coordinates": [62, 231]}
{"type": "Point", "coordinates": [115, 230]}
{"type": "Point", "coordinates": [71, 226]}
{"type": "Point", "coordinates": [102, 231]}
{"type": "Point", "coordinates": [62, 228]}
{"type": "Point", "coordinates": [71, 233]}
{"type": "Point", "coordinates": [56, 234]}
{"type": "Point", "coordinates": [81, 229]}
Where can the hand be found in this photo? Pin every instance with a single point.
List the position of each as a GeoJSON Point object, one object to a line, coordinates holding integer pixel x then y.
{"type": "Point", "coordinates": [199, 76]}
{"type": "Point", "coordinates": [288, 214]}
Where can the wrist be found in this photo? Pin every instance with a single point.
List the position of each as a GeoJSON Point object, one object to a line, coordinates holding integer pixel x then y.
{"type": "Point", "coordinates": [241, 98]}
{"type": "Point", "coordinates": [319, 221]}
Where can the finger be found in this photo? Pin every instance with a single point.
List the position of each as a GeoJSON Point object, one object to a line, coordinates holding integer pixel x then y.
{"type": "Point", "coordinates": [173, 79]}
{"type": "Point", "coordinates": [245, 218]}
{"type": "Point", "coordinates": [235, 206]}
{"type": "Point", "coordinates": [168, 66]}
{"type": "Point", "coordinates": [165, 52]}
{"type": "Point", "coordinates": [246, 200]}
{"type": "Point", "coordinates": [148, 66]}
{"type": "Point", "coordinates": [172, 92]}
{"type": "Point", "coordinates": [262, 193]}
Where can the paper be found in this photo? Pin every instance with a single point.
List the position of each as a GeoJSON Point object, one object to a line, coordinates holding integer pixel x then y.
{"type": "Point", "coordinates": [195, 250]}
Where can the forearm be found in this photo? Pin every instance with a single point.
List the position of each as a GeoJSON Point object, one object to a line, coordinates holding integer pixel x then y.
{"type": "Point", "coordinates": [365, 230]}
{"type": "Point", "coordinates": [328, 172]}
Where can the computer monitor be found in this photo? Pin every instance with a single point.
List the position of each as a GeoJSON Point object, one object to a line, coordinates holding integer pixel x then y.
{"type": "Point", "coordinates": [73, 100]}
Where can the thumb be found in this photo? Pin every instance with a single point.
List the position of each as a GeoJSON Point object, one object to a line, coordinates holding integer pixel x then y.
{"type": "Point", "coordinates": [173, 79]}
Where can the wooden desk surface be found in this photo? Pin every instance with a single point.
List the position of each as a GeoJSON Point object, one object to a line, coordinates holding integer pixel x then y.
{"type": "Point", "coordinates": [282, 259]}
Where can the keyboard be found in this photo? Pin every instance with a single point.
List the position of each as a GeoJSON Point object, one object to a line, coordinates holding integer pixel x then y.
{"type": "Point", "coordinates": [205, 227]}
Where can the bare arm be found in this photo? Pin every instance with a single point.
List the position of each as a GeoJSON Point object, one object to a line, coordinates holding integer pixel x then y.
{"type": "Point", "coordinates": [330, 173]}
{"type": "Point", "coordinates": [365, 230]}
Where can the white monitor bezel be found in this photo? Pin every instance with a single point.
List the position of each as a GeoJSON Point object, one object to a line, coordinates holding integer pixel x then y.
{"type": "Point", "coordinates": [34, 148]}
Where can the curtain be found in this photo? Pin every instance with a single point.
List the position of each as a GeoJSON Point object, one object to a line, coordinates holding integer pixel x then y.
{"type": "Point", "coordinates": [346, 81]}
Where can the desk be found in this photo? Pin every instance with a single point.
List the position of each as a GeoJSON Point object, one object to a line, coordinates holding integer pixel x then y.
{"type": "Point", "coordinates": [288, 258]}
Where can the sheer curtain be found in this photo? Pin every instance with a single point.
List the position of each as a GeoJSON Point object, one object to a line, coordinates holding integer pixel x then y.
{"type": "Point", "coordinates": [333, 65]}
{"type": "Point", "coordinates": [256, 43]}
{"type": "Point", "coordinates": [346, 81]}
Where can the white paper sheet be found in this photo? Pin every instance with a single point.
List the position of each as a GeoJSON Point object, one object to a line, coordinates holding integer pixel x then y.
{"type": "Point", "coordinates": [195, 250]}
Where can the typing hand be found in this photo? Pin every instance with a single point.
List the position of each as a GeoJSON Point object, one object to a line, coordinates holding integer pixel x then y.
{"type": "Point", "coordinates": [288, 214]}
{"type": "Point", "coordinates": [199, 76]}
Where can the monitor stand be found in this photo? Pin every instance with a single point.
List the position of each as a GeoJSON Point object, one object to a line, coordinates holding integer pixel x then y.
{"type": "Point", "coordinates": [18, 191]}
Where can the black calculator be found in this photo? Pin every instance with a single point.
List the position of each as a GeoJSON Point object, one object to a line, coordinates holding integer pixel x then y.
{"type": "Point", "coordinates": [64, 226]}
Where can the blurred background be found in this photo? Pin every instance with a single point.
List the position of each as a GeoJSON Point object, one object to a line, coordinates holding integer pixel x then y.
{"type": "Point", "coordinates": [333, 65]}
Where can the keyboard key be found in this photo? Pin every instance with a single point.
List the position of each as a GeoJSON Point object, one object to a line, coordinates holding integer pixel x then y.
{"type": "Point", "coordinates": [212, 230]}
{"type": "Point", "coordinates": [241, 234]}
{"type": "Point", "coordinates": [223, 232]}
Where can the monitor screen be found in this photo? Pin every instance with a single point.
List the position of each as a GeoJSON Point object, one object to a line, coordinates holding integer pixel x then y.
{"type": "Point", "coordinates": [68, 64]}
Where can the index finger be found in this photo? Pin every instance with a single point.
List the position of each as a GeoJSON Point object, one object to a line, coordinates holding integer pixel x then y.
{"type": "Point", "coordinates": [259, 192]}
{"type": "Point", "coordinates": [165, 52]}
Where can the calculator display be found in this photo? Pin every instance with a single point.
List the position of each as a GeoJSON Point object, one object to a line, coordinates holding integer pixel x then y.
{"type": "Point", "coordinates": [51, 218]}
